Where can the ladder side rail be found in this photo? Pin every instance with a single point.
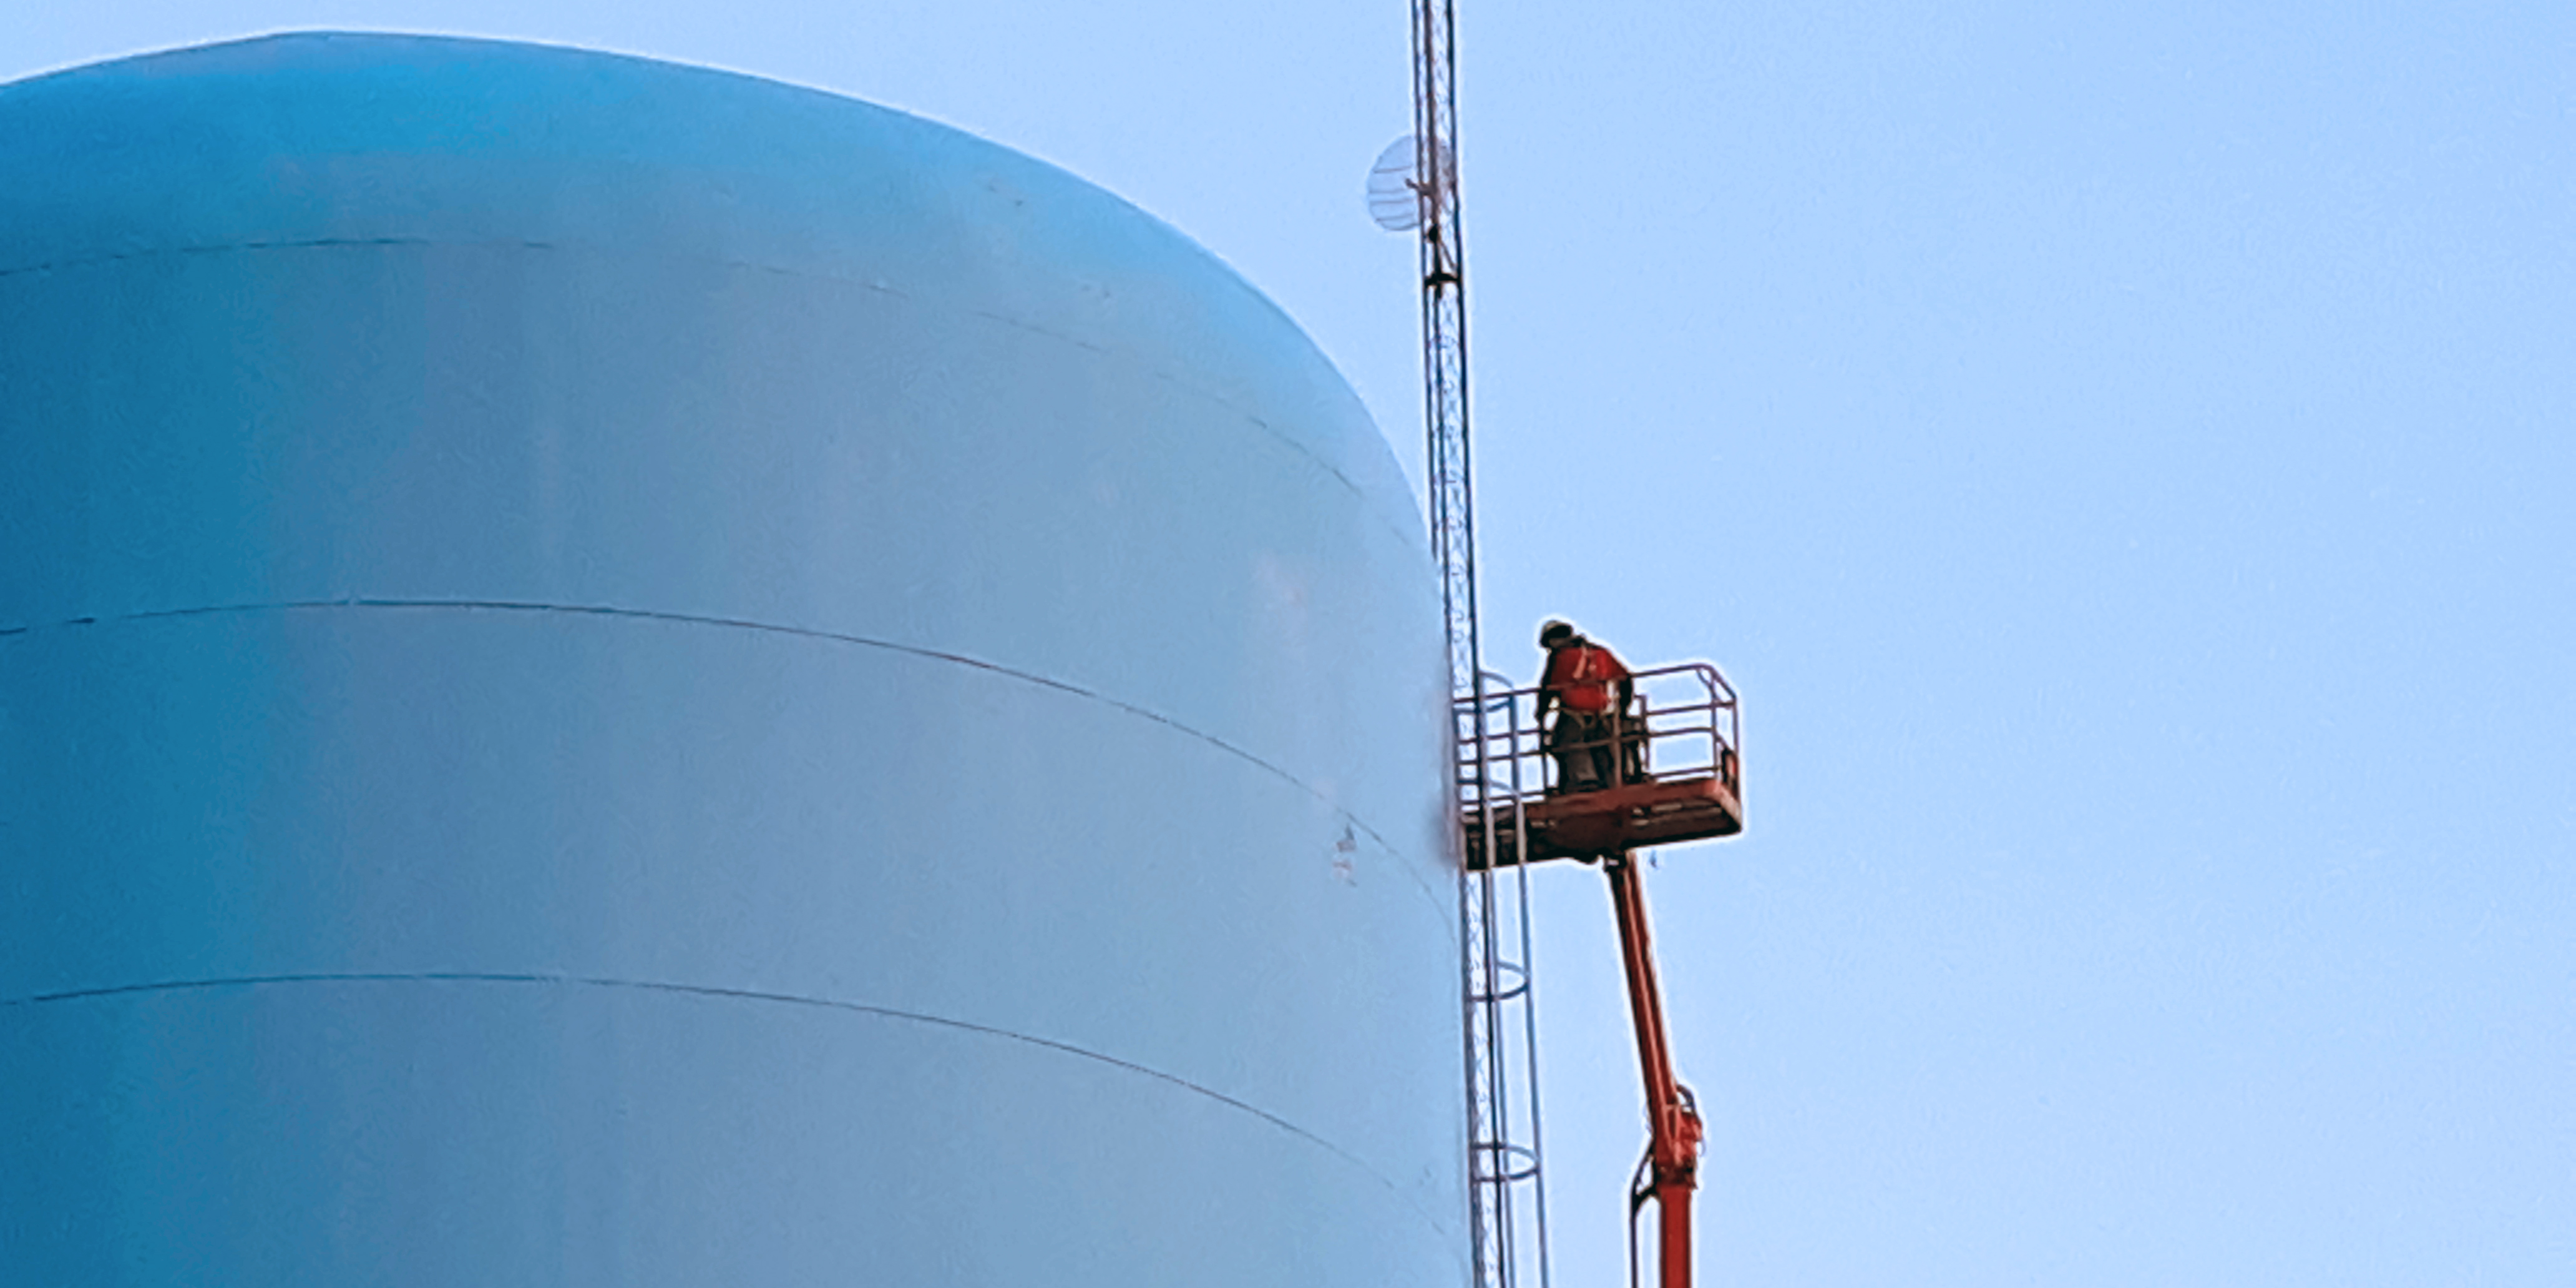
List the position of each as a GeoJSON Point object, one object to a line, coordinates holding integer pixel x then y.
{"type": "Point", "coordinates": [1498, 1162]}
{"type": "Point", "coordinates": [1489, 1239]}
{"type": "Point", "coordinates": [1476, 983]}
{"type": "Point", "coordinates": [1495, 1147]}
{"type": "Point", "coordinates": [1512, 705]}
{"type": "Point", "coordinates": [1529, 1051]}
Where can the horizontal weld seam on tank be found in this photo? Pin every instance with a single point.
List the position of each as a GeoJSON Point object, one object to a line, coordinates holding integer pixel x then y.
{"type": "Point", "coordinates": [1184, 385]}
{"type": "Point", "coordinates": [324, 243]}
{"type": "Point", "coordinates": [1034, 329]}
{"type": "Point", "coordinates": [740, 623]}
{"type": "Point", "coordinates": [118, 257]}
{"type": "Point", "coordinates": [740, 994]}
{"type": "Point", "coordinates": [493, 243]}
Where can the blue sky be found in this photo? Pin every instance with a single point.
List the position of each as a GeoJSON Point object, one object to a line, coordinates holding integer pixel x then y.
{"type": "Point", "coordinates": [2123, 456]}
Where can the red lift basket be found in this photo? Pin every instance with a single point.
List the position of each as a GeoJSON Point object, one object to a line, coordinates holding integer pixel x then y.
{"type": "Point", "coordinates": [1681, 777]}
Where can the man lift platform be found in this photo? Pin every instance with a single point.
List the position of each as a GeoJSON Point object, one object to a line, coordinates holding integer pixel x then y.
{"type": "Point", "coordinates": [1678, 778]}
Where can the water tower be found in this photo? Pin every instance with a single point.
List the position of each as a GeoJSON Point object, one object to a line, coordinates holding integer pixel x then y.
{"type": "Point", "coordinates": [615, 674]}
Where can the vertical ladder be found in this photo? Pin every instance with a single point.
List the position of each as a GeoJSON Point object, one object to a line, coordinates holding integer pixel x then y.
{"type": "Point", "coordinates": [1508, 1195]}
{"type": "Point", "coordinates": [1504, 1183]}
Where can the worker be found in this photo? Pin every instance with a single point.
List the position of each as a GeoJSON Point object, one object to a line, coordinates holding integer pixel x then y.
{"type": "Point", "coordinates": [1590, 691]}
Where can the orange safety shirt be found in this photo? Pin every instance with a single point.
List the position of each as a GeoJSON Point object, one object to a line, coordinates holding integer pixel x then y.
{"type": "Point", "coordinates": [1584, 675]}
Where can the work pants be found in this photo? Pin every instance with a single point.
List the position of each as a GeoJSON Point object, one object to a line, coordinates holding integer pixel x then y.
{"type": "Point", "coordinates": [1587, 747]}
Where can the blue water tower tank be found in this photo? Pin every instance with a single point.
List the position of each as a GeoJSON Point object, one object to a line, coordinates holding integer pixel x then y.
{"type": "Point", "coordinates": [612, 674]}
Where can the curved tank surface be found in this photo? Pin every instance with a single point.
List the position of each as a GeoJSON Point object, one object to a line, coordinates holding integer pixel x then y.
{"type": "Point", "coordinates": [619, 674]}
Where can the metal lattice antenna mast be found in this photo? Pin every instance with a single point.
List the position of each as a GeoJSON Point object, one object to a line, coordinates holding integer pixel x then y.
{"type": "Point", "coordinates": [1503, 1175]}
{"type": "Point", "coordinates": [1444, 336]}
